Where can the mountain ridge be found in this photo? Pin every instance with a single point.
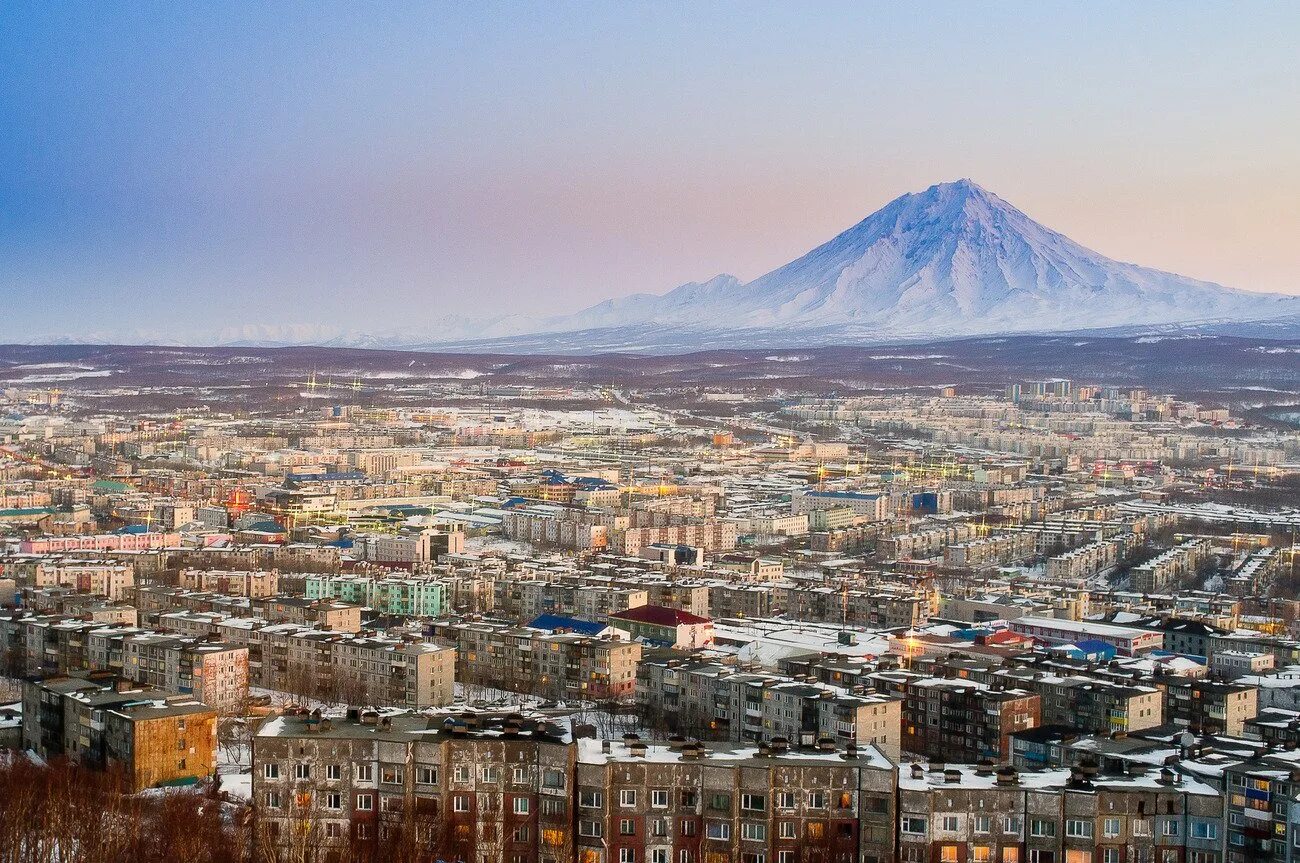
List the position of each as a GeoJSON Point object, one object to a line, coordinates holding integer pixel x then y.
{"type": "Point", "coordinates": [952, 260]}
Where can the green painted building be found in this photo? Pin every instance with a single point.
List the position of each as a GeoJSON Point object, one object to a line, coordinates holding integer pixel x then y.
{"type": "Point", "coordinates": [416, 597]}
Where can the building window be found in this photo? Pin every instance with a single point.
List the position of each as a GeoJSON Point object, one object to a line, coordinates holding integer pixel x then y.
{"type": "Point", "coordinates": [1210, 830]}
{"type": "Point", "coordinates": [365, 802]}
{"type": "Point", "coordinates": [950, 824]}
{"type": "Point", "coordinates": [659, 798]}
{"type": "Point", "coordinates": [1012, 825]}
{"type": "Point", "coordinates": [1169, 827]}
{"type": "Point", "coordinates": [489, 774]}
{"type": "Point", "coordinates": [552, 778]}
{"type": "Point", "coordinates": [302, 771]}
{"type": "Point", "coordinates": [591, 799]}
{"type": "Point", "coordinates": [520, 833]}
{"type": "Point", "coordinates": [461, 773]}
{"type": "Point", "coordinates": [947, 854]}
{"type": "Point", "coordinates": [688, 827]}
{"type": "Point", "coordinates": [627, 855]}
{"type": "Point", "coordinates": [753, 802]}
{"type": "Point", "coordinates": [333, 773]}
{"type": "Point", "coordinates": [590, 829]}
{"type": "Point", "coordinates": [626, 827]}
{"type": "Point", "coordinates": [687, 799]}
{"type": "Point", "coordinates": [333, 800]}
{"type": "Point", "coordinates": [983, 824]}
{"type": "Point", "coordinates": [913, 826]}
{"type": "Point", "coordinates": [785, 830]}
{"type": "Point", "coordinates": [720, 802]}
{"type": "Point", "coordinates": [717, 830]}
{"type": "Point", "coordinates": [1110, 828]}
{"type": "Point", "coordinates": [659, 855]}
{"type": "Point", "coordinates": [627, 797]}
{"type": "Point", "coordinates": [272, 800]}
{"type": "Point", "coordinates": [981, 854]}
{"type": "Point", "coordinates": [785, 800]}
{"type": "Point", "coordinates": [521, 806]}
{"type": "Point", "coordinates": [460, 803]}
{"type": "Point", "coordinates": [520, 775]}
{"type": "Point", "coordinates": [753, 831]}
{"type": "Point", "coordinates": [390, 774]}
{"type": "Point", "coordinates": [1110, 855]}
{"type": "Point", "coordinates": [816, 799]}
{"type": "Point", "coordinates": [426, 775]}
{"type": "Point", "coordinates": [1041, 827]}
{"type": "Point", "coordinates": [1077, 829]}
{"type": "Point", "coordinates": [365, 773]}
{"type": "Point", "coordinates": [270, 770]}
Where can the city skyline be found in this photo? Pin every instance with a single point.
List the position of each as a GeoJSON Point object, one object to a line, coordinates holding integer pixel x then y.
{"type": "Point", "coordinates": [171, 168]}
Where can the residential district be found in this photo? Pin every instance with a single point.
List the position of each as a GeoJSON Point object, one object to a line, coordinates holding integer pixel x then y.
{"type": "Point", "coordinates": [1053, 624]}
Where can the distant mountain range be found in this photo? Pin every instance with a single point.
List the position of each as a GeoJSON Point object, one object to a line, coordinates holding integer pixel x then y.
{"type": "Point", "coordinates": [952, 261]}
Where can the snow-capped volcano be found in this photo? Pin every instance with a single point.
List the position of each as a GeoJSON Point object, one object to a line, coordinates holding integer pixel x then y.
{"type": "Point", "coordinates": [954, 259]}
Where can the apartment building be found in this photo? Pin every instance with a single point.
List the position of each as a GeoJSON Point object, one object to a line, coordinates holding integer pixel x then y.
{"type": "Point", "coordinates": [423, 546]}
{"type": "Point", "coordinates": [690, 596]}
{"type": "Point", "coordinates": [417, 597]}
{"type": "Point", "coordinates": [128, 541]}
{"type": "Point", "coordinates": [718, 702]}
{"type": "Point", "coordinates": [489, 787]}
{"type": "Point", "coordinates": [1260, 807]}
{"type": "Point", "coordinates": [101, 578]}
{"type": "Point", "coordinates": [1084, 562]}
{"type": "Point", "coordinates": [961, 720]}
{"type": "Point", "coordinates": [1168, 569]}
{"type": "Point", "coordinates": [321, 613]}
{"type": "Point", "coordinates": [975, 813]}
{"type": "Point", "coordinates": [1089, 703]}
{"type": "Point", "coordinates": [591, 599]}
{"type": "Point", "coordinates": [711, 535]}
{"type": "Point", "coordinates": [925, 544]}
{"type": "Point", "coordinates": [393, 784]}
{"type": "Point", "coordinates": [578, 529]}
{"type": "Point", "coordinates": [880, 606]}
{"type": "Point", "coordinates": [215, 672]}
{"type": "Point", "coordinates": [991, 550]}
{"type": "Point", "coordinates": [563, 666]}
{"type": "Point", "coordinates": [869, 506]}
{"type": "Point", "coordinates": [371, 669]}
{"type": "Point", "coordinates": [697, 803]}
{"type": "Point", "coordinates": [253, 584]}
{"type": "Point", "coordinates": [150, 736]}
{"type": "Point", "coordinates": [730, 599]}
{"type": "Point", "coordinates": [1208, 707]}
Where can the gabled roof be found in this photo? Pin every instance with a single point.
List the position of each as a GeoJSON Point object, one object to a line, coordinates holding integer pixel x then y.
{"type": "Point", "coordinates": [660, 615]}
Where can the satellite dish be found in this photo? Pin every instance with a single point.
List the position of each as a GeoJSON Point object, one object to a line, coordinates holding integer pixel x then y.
{"type": "Point", "coordinates": [1186, 739]}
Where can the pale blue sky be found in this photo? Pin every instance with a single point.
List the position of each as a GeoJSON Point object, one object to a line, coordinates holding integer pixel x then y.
{"type": "Point", "coordinates": [171, 168]}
